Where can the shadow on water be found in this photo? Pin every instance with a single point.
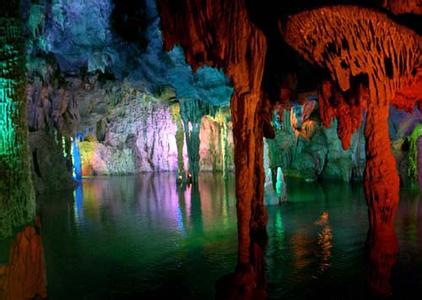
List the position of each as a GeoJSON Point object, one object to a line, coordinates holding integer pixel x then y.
{"type": "Point", "coordinates": [145, 237]}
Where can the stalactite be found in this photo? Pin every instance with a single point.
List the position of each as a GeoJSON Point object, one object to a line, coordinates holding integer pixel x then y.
{"type": "Point", "coordinates": [333, 104]}
{"type": "Point", "coordinates": [220, 34]}
{"type": "Point", "coordinates": [180, 141]}
{"type": "Point", "coordinates": [191, 112]}
{"type": "Point", "coordinates": [222, 117]}
{"type": "Point", "coordinates": [17, 203]}
{"type": "Point", "coordinates": [351, 41]}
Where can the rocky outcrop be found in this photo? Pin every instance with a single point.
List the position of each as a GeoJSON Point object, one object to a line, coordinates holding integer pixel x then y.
{"type": "Point", "coordinates": [139, 136]}
{"type": "Point", "coordinates": [388, 55]}
{"type": "Point", "coordinates": [126, 130]}
{"type": "Point", "coordinates": [53, 118]}
{"type": "Point", "coordinates": [23, 277]}
{"type": "Point", "coordinates": [51, 172]}
{"type": "Point", "coordinates": [216, 146]}
{"type": "Point", "coordinates": [320, 157]}
{"type": "Point", "coordinates": [17, 203]}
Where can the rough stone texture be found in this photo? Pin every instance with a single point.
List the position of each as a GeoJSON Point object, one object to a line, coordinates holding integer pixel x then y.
{"type": "Point", "coordinates": [211, 151]}
{"type": "Point", "coordinates": [389, 55]}
{"type": "Point", "coordinates": [321, 157]}
{"type": "Point", "coordinates": [17, 203]}
{"type": "Point", "coordinates": [404, 6]}
{"type": "Point", "coordinates": [220, 34]}
{"type": "Point", "coordinates": [50, 106]}
{"type": "Point", "coordinates": [128, 130]}
{"type": "Point", "coordinates": [53, 117]}
{"type": "Point", "coordinates": [348, 111]}
{"type": "Point", "coordinates": [24, 275]}
{"type": "Point", "coordinates": [420, 162]}
{"type": "Point", "coordinates": [50, 172]}
{"type": "Point", "coordinates": [402, 125]}
{"type": "Point", "coordinates": [139, 135]}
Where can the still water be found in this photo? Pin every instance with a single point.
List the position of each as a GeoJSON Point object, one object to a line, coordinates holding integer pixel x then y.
{"type": "Point", "coordinates": [141, 237]}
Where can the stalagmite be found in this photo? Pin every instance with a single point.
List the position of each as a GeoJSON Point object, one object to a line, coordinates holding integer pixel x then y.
{"type": "Point", "coordinates": [17, 203]}
{"type": "Point", "coordinates": [222, 117]}
{"type": "Point", "coordinates": [349, 42]}
{"type": "Point", "coordinates": [180, 141]}
{"type": "Point", "coordinates": [24, 276]}
{"type": "Point", "coordinates": [191, 112]}
{"type": "Point", "coordinates": [220, 34]}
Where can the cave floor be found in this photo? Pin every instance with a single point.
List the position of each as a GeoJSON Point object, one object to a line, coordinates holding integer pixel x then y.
{"type": "Point", "coordinates": [139, 237]}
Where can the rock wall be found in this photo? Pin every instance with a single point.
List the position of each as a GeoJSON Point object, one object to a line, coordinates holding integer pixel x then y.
{"type": "Point", "coordinates": [211, 149]}
{"type": "Point", "coordinates": [137, 135]}
{"type": "Point", "coordinates": [126, 130]}
{"type": "Point", "coordinates": [320, 157]}
{"type": "Point", "coordinates": [420, 162]}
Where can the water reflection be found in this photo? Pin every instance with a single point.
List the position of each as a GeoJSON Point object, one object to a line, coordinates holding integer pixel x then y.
{"type": "Point", "coordinates": [382, 254]}
{"type": "Point", "coordinates": [23, 276]}
{"type": "Point", "coordinates": [140, 237]}
{"type": "Point", "coordinates": [325, 242]}
{"type": "Point", "coordinates": [145, 237]}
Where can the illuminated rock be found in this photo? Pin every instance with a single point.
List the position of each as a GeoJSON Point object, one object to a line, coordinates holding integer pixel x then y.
{"type": "Point", "coordinates": [221, 35]}
{"type": "Point", "coordinates": [24, 275]}
{"type": "Point", "coordinates": [17, 203]}
{"type": "Point", "coordinates": [327, 37]}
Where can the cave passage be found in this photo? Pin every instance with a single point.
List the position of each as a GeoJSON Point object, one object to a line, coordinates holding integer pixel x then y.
{"type": "Point", "coordinates": [201, 149]}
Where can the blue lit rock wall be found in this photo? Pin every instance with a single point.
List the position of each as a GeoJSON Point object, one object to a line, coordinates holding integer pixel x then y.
{"type": "Point", "coordinates": [87, 81]}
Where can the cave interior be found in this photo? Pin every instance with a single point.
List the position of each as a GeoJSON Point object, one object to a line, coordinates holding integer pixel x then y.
{"type": "Point", "coordinates": [272, 148]}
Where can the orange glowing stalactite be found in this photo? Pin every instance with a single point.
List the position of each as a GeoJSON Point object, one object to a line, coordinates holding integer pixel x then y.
{"type": "Point", "coordinates": [220, 34]}
{"type": "Point", "coordinates": [348, 113]}
{"type": "Point", "coordinates": [352, 41]}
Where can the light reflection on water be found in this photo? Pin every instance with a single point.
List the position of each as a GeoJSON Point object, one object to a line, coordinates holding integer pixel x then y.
{"type": "Point", "coordinates": [142, 237]}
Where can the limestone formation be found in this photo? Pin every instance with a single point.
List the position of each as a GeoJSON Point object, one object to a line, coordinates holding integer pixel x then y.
{"type": "Point", "coordinates": [17, 203]}
{"type": "Point", "coordinates": [220, 34]}
{"type": "Point", "coordinates": [352, 41]}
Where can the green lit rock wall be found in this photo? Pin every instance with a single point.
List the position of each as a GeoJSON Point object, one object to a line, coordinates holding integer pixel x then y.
{"type": "Point", "coordinates": [320, 157]}
{"type": "Point", "coordinates": [17, 203]}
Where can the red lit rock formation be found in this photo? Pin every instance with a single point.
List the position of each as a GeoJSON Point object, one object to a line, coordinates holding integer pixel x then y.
{"type": "Point", "coordinates": [410, 92]}
{"type": "Point", "coordinates": [332, 104]}
{"type": "Point", "coordinates": [404, 6]}
{"type": "Point", "coordinates": [24, 276]}
{"type": "Point", "coordinates": [382, 256]}
{"type": "Point", "coordinates": [352, 41]}
{"type": "Point", "coordinates": [219, 33]}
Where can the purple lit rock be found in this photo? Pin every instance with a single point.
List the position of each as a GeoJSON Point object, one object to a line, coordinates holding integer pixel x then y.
{"type": "Point", "coordinates": [420, 162]}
